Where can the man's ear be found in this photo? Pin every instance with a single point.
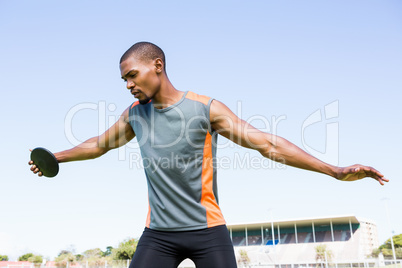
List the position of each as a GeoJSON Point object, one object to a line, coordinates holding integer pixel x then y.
{"type": "Point", "coordinates": [159, 65]}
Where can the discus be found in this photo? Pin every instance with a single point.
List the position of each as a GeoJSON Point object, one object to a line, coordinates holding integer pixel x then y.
{"type": "Point", "coordinates": [45, 161]}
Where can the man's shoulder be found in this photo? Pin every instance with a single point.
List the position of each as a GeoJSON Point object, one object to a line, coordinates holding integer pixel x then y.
{"type": "Point", "coordinates": [199, 98]}
{"type": "Point", "coordinates": [134, 104]}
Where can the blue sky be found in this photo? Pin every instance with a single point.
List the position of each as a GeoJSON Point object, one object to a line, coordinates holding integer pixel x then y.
{"type": "Point", "coordinates": [266, 60]}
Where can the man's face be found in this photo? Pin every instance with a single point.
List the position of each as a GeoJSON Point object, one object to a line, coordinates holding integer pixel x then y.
{"type": "Point", "coordinates": [142, 78]}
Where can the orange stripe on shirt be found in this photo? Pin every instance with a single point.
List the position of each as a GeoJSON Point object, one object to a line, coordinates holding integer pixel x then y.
{"type": "Point", "coordinates": [135, 104]}
{"type": "Point", "coordinates": [214, 214]}
{"type": "Point", "coordinates": [138, 102]}
{"type": "Point", "coordinates": [200, 98]}
{"type": "Point", "coordinates": [148, 222]}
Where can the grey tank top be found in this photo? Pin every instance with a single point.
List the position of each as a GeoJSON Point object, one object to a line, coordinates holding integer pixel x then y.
{"type": "Point", "coordinates": [178, 149]}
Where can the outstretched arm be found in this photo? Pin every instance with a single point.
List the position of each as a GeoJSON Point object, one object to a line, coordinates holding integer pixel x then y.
{"type": "Point", "coordinates": [226, 123]}
{"type": "Point", "coordinates": [117, 135]}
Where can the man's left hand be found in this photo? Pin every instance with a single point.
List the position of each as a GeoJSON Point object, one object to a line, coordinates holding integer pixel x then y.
{"type": "Point", "coordinates": [358, 172]}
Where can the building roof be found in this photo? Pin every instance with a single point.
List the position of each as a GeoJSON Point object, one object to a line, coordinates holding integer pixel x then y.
{"type": "Point", "coordinates": [343, 219]}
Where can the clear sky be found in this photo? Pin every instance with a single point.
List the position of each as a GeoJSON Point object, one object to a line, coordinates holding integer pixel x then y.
{"type": "Point", "coordinates": [278, 64]}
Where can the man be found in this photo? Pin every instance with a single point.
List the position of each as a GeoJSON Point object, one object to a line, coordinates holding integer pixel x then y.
{"type": "Point", "coordinates": [184, 218]}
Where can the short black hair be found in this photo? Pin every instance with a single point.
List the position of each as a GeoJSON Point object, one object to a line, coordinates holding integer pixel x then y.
{"type": "Point", "coordinates": [145, 51]}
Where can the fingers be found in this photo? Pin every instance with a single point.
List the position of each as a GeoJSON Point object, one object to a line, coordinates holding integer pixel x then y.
{"type": "Point", "coordinates": [373, 171]}
{"type": "Point", "coordinates": [384, 179]}
{"type": "Point", "coordinates": [375, 174]}
{"type": "Point", "coordinates": [357, 172]}
{"type": "Point", "coordinates": [381, 180]}
{"type": "Point", "coordinates": [35, 169]}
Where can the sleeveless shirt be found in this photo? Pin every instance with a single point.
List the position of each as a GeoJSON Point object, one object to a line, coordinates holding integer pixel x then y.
{"type": "Point", "coordinates": [178, 149]}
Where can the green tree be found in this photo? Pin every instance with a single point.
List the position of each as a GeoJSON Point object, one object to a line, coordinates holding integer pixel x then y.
{"type": "Point", "coordinates": [108, 251]}
{"type": "Point", "coordinates": [243, 260]}
{"type": "Point", "coordinates": [94, 257]}
{"type": "Point", "coordinates": [3, 258]}
{"type": "Point", "coordinates": [95, 252]}
{"type": "Point", "coordinates": [389, 254]}
{"type": "Point", "coordinates": [397, 242]}
{"type": "Point", "coordinates": [322, 253]}
{"type": "Point", "coordinates": [375, 252]}
{"type": "Point", "coordinates": [386, 248]}
{"type": "Point", "coordinates": [65, 257]}
{"type": "Point", "coordinates": [36, 259]}
{"type": "Point", "coordinates": [126, 249]}
{"type": "Point", "coordinates": [64, 252]}
{"type": "Point", "coordinates": [25, 257]}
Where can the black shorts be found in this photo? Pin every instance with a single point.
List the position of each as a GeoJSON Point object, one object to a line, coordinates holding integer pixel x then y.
{"type": "Point", "coordinates": [207, 248]}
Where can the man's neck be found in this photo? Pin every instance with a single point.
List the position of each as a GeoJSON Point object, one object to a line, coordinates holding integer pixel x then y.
{"type": "Point", "coordinates": [167, 96]}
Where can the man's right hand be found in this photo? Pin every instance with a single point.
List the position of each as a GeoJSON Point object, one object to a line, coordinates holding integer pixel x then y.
{"type": "Point", "coordinates": [34, 168]}
{"type": "Point", "coordinates": [117, 135]}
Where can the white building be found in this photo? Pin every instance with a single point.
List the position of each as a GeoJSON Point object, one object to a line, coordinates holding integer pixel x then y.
{"type": "Point", "coordinates": [348, 238]}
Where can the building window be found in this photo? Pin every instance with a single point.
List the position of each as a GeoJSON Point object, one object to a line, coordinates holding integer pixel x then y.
{"type": "Point", "coordinates": [254, 237]}
{"type": "Point", "coordinates": [239, 237]}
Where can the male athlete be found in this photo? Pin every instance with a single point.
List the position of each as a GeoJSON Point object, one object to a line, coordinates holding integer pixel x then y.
{"type": "Point", "coordinates": [184, 219]}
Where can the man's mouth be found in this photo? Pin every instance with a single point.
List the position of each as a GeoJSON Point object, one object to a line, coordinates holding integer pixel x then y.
{"type": "Point", "coordinates": [135, 93]}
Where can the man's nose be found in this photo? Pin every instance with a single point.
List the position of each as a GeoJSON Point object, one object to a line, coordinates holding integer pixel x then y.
{"type": "Point", "coordinates": [130, 84]}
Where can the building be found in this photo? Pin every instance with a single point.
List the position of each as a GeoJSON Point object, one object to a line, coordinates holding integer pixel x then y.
{"type": "Point", "coordinates": [347, 239]}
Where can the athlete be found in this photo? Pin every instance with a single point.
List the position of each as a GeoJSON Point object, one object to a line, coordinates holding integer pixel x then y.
{"type": "Point", "coordinates": [179, 129]}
